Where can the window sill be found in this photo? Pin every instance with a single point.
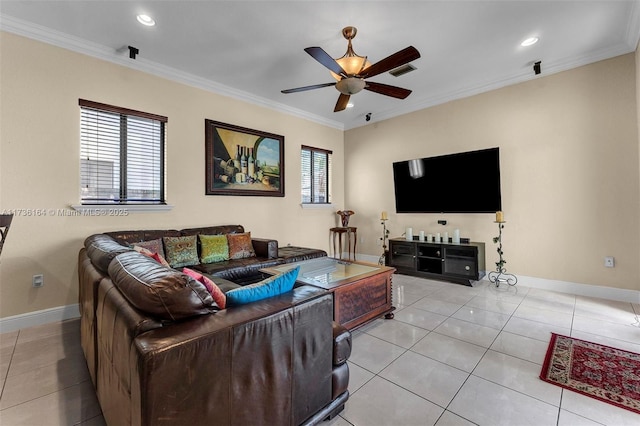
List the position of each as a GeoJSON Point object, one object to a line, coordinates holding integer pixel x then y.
{"type": "Point", "coordinates": [317, 206]}
{"type": "Point", "coordinates": [119, 209]}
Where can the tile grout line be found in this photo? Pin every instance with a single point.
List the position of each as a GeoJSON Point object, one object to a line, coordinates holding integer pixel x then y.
{"type": "Point", "coordinates": [4, 382]}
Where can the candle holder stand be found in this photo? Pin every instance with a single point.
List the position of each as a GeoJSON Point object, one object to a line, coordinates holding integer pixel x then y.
{"type": "Point", "coordinates": [385, 236]}
{"type": "Point", "coordinates": [500, 275]}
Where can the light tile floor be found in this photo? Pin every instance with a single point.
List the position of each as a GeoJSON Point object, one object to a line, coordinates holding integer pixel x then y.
{"type": "Point", "coordinates": [453, 355]}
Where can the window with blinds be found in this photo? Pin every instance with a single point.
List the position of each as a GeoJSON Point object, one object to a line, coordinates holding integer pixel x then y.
{"type": "Point", "coordinates": [315, 172]}
{"type": "Point", "coordinates": [122, 155]}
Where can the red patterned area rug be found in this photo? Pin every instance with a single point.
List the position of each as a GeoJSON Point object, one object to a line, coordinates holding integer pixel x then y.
{"type": "Point", "coordinates": [601, 372]}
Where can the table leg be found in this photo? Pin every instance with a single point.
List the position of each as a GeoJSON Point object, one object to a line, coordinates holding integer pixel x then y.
{"type": "Point", "coordinates": [355, 241]}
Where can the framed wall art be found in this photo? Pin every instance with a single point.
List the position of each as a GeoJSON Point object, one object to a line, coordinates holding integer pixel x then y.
{"type": "Point", "coordinates": [241, 161]}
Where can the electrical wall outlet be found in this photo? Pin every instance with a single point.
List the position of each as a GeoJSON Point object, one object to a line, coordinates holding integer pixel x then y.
{"type": "Point", "coordinates": [609, 262]}
{"type": "Point", "coordinates": [37, 280]}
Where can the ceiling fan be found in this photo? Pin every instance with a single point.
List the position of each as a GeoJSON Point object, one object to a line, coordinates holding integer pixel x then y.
{"type": "Point", "coordinates": [352, 70]}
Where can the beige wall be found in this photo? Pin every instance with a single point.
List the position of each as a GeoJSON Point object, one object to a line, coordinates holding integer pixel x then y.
{"type": "Point", "coordinates": [569, 151]}
{"type": "Point", "coordinates": [569, 165]}
{"type": "Point", "coordinates": [39, 165]}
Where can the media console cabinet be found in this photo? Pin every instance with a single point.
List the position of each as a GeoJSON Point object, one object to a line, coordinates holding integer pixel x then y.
{"type": "Point", "coordinates": [459, 263]}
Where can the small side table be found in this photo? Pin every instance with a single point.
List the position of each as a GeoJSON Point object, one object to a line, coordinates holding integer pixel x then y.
{"type": "Point", "coordinates": [338, 232]}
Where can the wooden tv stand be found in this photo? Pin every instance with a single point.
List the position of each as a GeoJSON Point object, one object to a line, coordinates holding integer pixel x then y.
{"type": "Point", "coordinates": [459, 263]}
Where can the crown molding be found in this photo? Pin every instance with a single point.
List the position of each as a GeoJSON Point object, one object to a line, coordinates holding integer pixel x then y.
{"type": "Point", "coordinates": [56, 38]}
{"type": "Point", "coordinates": [478, 88]}
{"type": "Point", "coordinates": [119, 57]}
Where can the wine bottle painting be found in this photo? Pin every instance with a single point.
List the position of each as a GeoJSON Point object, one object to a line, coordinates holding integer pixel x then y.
{"type": "Point", "coordinates": [242, 161]}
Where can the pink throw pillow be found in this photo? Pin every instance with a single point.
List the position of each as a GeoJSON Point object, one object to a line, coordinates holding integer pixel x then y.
{"type": "Point", "coordinates": [218, 295]}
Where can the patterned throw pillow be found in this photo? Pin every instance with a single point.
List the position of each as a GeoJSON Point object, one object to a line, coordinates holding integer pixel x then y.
{"type": "Point", "coordinates": [240, 245]}
{"type": "Point", "coordinates": [181, 251]}
{"type": "Point", "coordinates": [154, 246]}
{"type": "Point", "coordinates": [218, 295]}
{"type": "Point", "coordinates": [155, 256]}
{"type": "Point", "coordinates": [270, 287]}
{"type": "Point", "coordinates": [213, 248]}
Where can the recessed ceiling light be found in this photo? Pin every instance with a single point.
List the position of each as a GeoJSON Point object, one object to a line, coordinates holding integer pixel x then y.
{"type": "Point", "coordinates": [349, 105]}
{"type": "Point", "coordinates": [530, 41]}
{"type": "Point", "coordinates": [146, 20]}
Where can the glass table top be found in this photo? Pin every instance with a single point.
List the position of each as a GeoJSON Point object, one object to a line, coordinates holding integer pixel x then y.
{"type": "Point", "coordinates": [324, 272]}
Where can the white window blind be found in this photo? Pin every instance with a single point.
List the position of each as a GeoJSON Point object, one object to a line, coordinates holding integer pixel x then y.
{"type": "Point", "coordinates": [122, 155]}
{"type": "Point", "coordinates": [315, 172]}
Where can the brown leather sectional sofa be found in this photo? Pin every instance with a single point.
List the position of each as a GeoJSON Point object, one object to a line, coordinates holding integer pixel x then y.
{"type": "Point", "coordinates": [159, 353]}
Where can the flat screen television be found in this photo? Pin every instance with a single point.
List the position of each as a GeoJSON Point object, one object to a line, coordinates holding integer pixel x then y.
{"type": "Point", "coordinates": [466, 182]}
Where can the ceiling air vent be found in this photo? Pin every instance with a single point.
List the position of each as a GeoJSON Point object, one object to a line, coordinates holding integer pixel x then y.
{"type": "Point", "coordinates": [397, 72]}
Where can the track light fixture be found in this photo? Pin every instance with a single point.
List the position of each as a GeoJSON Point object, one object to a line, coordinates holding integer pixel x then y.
{"type": "Point", "coordinates": [133, 52]}
{"type": "Point", "coordinates": [536, 67]}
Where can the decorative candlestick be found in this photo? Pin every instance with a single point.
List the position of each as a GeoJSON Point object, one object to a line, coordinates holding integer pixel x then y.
{"type": "Point", "coordinates": [384, 238]}
{"type": "Point", "coordinates": [500, 274]}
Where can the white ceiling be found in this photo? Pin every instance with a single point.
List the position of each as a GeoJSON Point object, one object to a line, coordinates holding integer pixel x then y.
{"type": "Point", "coordinates": [253, 49]}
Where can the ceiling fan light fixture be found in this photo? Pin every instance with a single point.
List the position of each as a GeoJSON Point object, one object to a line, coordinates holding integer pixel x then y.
{"type": "Point", "coordinates": [351, 62]}
{"type": "Point", "coordinates": [350, 86]}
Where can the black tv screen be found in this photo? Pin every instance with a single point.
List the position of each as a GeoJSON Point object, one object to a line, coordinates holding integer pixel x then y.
{"type": "Point", "coordinates": [466, 182]}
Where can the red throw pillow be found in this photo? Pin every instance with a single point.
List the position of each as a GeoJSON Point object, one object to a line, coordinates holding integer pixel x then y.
{"type": "Point", "coordinates": [218, 295]}
{"type": "Point", "coordinates": [155, 256]}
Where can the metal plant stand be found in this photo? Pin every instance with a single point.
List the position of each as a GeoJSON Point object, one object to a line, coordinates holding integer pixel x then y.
{"type": "Point", "coordinates": [500, 275]}
{"type": "Point", "coordinates": [385, 236]}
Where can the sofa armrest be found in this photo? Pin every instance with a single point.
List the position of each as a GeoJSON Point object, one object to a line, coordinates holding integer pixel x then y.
{"type": "Point", "coordinates": [341, 344]}
{"type": "Point", "coordinates": [265, 247]}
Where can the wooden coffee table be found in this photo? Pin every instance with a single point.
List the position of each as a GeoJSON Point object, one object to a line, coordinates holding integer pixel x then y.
{"type": "Point", "coordinates": [361, 291]}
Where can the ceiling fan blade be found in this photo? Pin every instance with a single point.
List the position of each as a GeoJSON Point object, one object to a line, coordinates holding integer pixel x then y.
{"type": "Point", "coordinates": [305, 88]}
{"type": "Point", "coordinates": [323, 57]}
{"type": "Point", "coordinates": [343, 100]}
{"type": "Point", "coordinates": [390, 62]}
{"type": "Point", "coordinates": [385, 89]}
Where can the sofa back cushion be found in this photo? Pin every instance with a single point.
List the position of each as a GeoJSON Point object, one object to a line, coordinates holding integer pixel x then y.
{"type": "Point", "coordinates": [213, 230]}
{"type": "Point", "coordinates": [159, 291]}
{"type": "Point", "coordinates": [101, 249]}
{"type": "Point", "coordinates": [133, 237]}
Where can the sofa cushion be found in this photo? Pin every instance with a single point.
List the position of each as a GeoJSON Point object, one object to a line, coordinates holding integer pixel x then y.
{"type": "Point", "coordinates": [154, 246]}
{"type": "Point", "coordinates": [159, 291]}
{"type": "Point", "coordinates": [101, 249]}
{"type": "Point", "coordinates": [218, 295]}
{"type": "Point", "coordinates": [181, 251]}
{"type": "Point", "coordinates": [213, 248]}
{"type": "Point", "coordinates": [240, 246]}
{"type": "Point", "coordinates": [272, 286]}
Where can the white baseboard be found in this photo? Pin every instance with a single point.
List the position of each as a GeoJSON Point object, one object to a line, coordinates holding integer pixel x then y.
{"type": "Point", "coordinates": [44, 316]}
{"type": "Point", "coordinates": [589, 290]}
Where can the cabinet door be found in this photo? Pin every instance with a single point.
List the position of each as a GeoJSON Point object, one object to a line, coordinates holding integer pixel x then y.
{"type": "Point", "coordinates": [461, 261]}
{"type": "Point", "coordinates": [463, 267]}
{"type": "Point", "coordinates": [402, 255]}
